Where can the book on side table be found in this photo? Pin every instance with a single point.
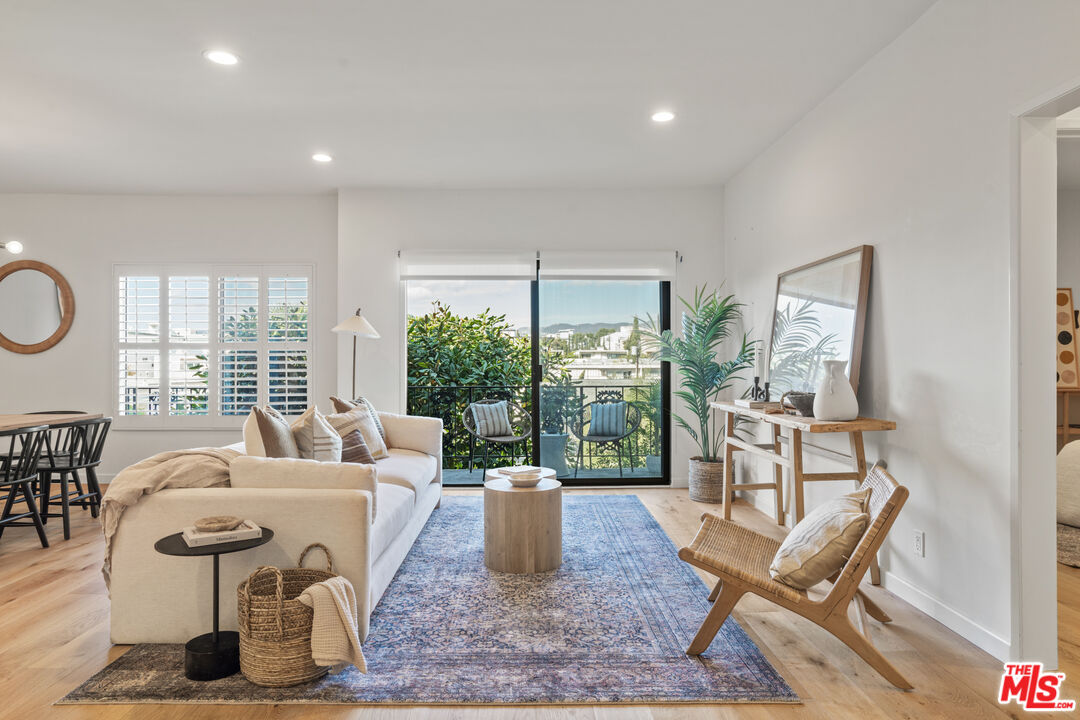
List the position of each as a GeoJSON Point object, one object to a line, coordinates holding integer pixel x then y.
{"type": "Point", "coordinates": [196, 538]}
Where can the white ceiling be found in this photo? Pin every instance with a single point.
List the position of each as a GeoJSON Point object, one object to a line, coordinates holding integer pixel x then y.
{"type": "Point", "coordinates": [114, 96]}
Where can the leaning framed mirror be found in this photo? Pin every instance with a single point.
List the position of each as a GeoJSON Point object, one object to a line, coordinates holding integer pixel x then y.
{"type": "Point", "coordinates": [819, 315]}
{"type": "Point", "coordinates": [37, 307]}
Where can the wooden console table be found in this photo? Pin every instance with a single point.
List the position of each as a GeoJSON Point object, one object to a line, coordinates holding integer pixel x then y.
{"type": "Point", "coordinates": [773, 452]}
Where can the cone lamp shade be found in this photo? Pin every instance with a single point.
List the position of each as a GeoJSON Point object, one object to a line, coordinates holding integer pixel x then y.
{"type": "Point", "coordinates": [357, 326]}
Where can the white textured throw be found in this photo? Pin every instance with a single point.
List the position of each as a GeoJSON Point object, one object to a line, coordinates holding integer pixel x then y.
{"type": "Point", "coordinates": [194, 468]}
{"type": "Point", "coordinates": [335, 636]}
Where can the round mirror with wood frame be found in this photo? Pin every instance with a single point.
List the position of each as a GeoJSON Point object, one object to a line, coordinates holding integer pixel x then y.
{"type": "Point", "coordinates": [67, 307]}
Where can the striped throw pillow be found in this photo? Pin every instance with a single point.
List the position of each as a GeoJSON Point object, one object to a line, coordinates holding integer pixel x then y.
{"type": "Point", "coordinates": [492, 419]}
{"type": "Point", "coordinates": [360, 419]}
{"type": "Point", "coordinates": [341, 406]}
{"type": "Point", "coordinates": [608, 419]}
{"type": "Point", "coordinates": [822, 541]}
{"type": "Point", "coordinates": [354, 449]}
{"type": "Point", "coordinates": [316, 439]}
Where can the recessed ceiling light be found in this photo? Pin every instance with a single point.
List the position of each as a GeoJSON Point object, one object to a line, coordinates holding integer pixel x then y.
{"type": "Point", "coordinates": [12, 246]}
{"type": "Point", "coordinates": [322, 158]}
{"type": "Point", "coordinates": [221, 57]}
{"type": "Point", "coordinates": [663, 116]}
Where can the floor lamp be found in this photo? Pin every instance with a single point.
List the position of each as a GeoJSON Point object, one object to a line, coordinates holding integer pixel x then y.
{"type": "Point", "coordinates": [357, 326]}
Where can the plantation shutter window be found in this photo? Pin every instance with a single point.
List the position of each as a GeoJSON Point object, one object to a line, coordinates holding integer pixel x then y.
{"type": "Point", "coordinates": [198, 345]}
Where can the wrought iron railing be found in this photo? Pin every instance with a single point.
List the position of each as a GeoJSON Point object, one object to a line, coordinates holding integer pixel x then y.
{"type": "Point", "coordinates": [559, 406]}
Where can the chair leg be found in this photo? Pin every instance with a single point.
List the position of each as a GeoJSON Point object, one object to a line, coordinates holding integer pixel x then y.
{"type": "Point", "coordinates": [873, 609]}
{"type": "Point", "coordinates": [839, 625]}
{"type": "Point", "coordinates": [580, 457]}
{"type": "Point", "coordinates": [725, 603]}
{"type": "Point", "coordinates": [79, 490]}
{"type": "Point", "coordinates": [65, 506]}
{"type": "Point", "coordinates": [28, 494]}
{"type": "Point", "coordinates": [46, 490]}
{"type": "Point", "coordinates": [716, 590]}
{"type": "Point", "coordinates": [618, 453]}
{"type": "Point", "coordinates": [94, 487]}
{"type": "Point", "coordinates": [7, 506]}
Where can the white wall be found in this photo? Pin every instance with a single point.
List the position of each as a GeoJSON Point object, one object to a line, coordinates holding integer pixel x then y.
{"type": "Point", "coordinates": [914, 155]}
{"type": "Point", "coordinates": [82, 236]}
{"type": "Point", "coordinates": [375, 224]}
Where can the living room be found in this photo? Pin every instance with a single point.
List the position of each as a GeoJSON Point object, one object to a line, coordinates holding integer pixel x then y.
{"type": "Point", "coordinates": [345, 155]}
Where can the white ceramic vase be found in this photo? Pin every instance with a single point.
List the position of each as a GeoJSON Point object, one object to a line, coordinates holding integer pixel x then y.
{"type": "Point", "coordinates": [835, 400]}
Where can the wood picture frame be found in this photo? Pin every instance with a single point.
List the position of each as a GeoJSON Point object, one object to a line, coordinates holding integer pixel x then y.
{"type": "Point", "coordinates": [67, 307]}
{"type": "Point", "coordinates": [865, 255]}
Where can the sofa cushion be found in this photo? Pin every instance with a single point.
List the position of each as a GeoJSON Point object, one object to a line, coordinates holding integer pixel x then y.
{"type": "Point", "coordinates": [395, 509]}
{"type": "Point", "coordinates": [267, 434]}
{"type": "Point", "coordinates": [360, 419]}
{"type": "Point", "coordinates": [260, 472]}
{"type": "Point", "coordinates": [316, 439]}
{"type": "Point", "coordinates": [408, 469]}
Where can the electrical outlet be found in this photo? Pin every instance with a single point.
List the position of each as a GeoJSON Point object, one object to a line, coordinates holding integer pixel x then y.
{"type": "Point", "coordinates": [920, 543]}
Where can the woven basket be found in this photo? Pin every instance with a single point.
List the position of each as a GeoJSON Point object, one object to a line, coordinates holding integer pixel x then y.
{"type": "Point", "coordinates": [706, 480]}
{"type": "Point", "coordinates": [275, 627]}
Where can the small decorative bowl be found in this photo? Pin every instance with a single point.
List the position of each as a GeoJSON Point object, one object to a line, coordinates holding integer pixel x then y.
{"type": "Point", "coordinates": [530, 478]}
{"type": "Point", "coordinates": [801, 402]}
{"type": "Point", "coordinates": [218, 523]}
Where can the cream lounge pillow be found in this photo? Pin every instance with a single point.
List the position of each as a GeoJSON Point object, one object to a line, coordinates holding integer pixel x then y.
{"type": "Point", "coordinates": [267, 434]}
{"type": "Point", "coordinates": [342, 406]}
{"type": "Point", "coordinates": [360, 419]}
{"type": "Point", "coordinates": [822, 542]}
{"type": "Point", "coordinates": [315, 438]}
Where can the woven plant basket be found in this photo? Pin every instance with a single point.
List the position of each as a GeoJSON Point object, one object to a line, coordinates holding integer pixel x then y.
{"type": "Point", "coordinates": [706, 480]}
{"type": "Point", "coordinates": [275, 627]}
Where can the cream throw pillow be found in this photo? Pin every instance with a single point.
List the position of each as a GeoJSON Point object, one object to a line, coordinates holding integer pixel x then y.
{"type": "Point", "coordinates": [316, 439]}
{"type": "Point", "coordinates": [360, 419]}
{"type": "Point", "coordinates": [822, 542]}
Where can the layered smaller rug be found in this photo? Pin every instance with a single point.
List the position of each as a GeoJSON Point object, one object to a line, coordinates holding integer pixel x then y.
{"type": "Point", "coordinates": [610, 626]}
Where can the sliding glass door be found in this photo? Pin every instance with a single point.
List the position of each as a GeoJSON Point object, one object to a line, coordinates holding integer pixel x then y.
{"type": "Point", "coordinates": [587, 395]}
{"type": "Point", "coordinates": [602, 388]}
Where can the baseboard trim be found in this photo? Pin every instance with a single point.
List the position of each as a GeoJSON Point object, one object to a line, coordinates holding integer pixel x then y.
{"type": "Point", "coordinates": [956, 621]}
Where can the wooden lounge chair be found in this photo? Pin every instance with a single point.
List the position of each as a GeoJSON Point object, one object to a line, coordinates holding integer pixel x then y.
{"type": "Point", "coordinates": [740, 558]}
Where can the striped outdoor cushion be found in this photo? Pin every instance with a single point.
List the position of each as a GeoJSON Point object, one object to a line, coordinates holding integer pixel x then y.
{"type": "Point", "coordinates": [608, 419]}
{"type": "Point", "coordinates": [492, 419]}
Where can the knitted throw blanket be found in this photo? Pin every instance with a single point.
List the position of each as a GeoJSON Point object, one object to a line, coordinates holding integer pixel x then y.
{"type": "Point", "coordinates": [194, 468]}
{"type": "Point", "coordinates": [335, 636]}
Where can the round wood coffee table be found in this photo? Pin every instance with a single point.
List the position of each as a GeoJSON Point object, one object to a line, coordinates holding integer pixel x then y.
{"type": "Point", "coordinates": [522, 526]}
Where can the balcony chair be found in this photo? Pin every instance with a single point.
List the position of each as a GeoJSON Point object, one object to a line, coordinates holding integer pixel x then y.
{"type": "Point", "coordinates": [20, 453]}
{"type": "Point", "coordinates": [69, 449]}
{"type": "Point", "coordinates": [520, 425]}
{"type": "Point", "coordinates": [740, 558]}
{"type": "Point", "coordinates": [582, 426]}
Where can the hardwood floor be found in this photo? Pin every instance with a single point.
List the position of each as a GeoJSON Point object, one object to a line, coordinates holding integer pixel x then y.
{"type": "Point", "coordinates": [54, 630]}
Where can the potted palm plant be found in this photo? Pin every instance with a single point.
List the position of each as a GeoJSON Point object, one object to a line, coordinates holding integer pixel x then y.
{"type": "Point", "coordinates": [707, 322]}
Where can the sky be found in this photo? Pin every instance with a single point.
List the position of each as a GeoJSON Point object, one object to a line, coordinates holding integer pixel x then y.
{"type": "Point", "coordinates": [561, 301]}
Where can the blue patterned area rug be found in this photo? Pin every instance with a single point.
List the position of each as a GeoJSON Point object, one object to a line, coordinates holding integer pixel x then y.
{"type": "Point", "coordinates": [609, 626]}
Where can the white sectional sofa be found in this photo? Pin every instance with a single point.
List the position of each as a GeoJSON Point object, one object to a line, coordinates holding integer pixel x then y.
{"type": "Point", "coordinates": [158, 598]}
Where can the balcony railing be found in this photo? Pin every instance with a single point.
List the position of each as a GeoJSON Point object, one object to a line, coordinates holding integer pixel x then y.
{"type": "Point", "coordinates": [559, 406]}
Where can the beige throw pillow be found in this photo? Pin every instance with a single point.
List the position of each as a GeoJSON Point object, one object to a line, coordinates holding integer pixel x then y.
{"type": "Point", "coordinates": [822, 542]}
{"type": "Point", "coordinates": [267, 434]}
{"type": "Point", "coordinates": [359, 419]}
{"type": "Point", "coordinates": [316, 439]}
{"type": "Point", "coordinates": [342, 406]}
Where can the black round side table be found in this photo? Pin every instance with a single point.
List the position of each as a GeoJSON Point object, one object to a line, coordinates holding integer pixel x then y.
{"type": "Point", "coordinates": [215, 654]}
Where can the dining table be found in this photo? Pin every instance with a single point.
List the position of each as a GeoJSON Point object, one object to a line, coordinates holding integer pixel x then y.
{"type": "Point", "coordinates": [14, 422]}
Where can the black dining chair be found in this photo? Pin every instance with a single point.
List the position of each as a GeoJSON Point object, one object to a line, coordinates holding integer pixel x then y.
{"type": "Point", "coordinates": [21, 453]}
{"type": "Point", "coordinates": [69, 449]}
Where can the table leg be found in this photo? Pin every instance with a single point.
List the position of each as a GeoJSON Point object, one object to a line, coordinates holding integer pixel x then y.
{"type": "Point", "coordinates": [858, 453]}
{"type": "Point", "coordinates": [778, 473]}
{"type": "Point", "coordinates": [217, 574]}
{"type": "Point", "coordinates": [797, 471]}
{"type": "Point", "coordinates": [729, 465]}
